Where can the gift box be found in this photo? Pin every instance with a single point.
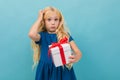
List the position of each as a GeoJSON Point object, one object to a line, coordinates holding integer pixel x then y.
{"type": "Point", "coordinates": [60, 53]}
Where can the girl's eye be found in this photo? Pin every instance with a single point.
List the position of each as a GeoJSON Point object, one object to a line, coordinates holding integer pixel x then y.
{"type": "Point", "coordinates": [56, 19]}
{"type": "Point", "coordinates": [49, 19]}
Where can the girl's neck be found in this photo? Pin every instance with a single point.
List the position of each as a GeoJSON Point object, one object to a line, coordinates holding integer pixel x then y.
{"type": "Point", "coordinates": [51, 32]}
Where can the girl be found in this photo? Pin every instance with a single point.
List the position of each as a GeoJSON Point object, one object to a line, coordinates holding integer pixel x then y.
{"type": "Point", "coordinates": [47, 29]}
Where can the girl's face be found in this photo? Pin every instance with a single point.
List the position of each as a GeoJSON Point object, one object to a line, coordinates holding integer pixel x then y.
{"type": "Point", "coordinates": [51, 21]}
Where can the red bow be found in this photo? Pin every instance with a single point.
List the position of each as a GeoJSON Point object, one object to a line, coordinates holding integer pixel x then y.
{"type": "Point", "coordinates": [62, 41]}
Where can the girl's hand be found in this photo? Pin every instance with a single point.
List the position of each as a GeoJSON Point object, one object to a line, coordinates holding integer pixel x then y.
{"type": "Point", "coordinates": [40, 15]}
{"type": "Point", "coordinates": [74, 58]}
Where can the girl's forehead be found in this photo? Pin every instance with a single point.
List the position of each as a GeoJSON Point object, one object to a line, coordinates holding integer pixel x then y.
{"type": "Point", "coordinates": [49, 14]}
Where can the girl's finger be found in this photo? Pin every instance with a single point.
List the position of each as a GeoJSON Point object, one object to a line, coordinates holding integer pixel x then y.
{"type": "Point", "coordinates": [72, 56]}
{"type": "Point", "coordinates": [71, 60]}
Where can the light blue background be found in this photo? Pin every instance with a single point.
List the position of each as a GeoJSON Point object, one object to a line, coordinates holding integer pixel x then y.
{"type": "Point", "coordinates": [95, 27]}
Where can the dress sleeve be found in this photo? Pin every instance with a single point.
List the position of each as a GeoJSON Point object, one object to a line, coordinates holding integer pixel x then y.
{"type": "Point", "coordinates": [39, 42]}
{"type": "Point", "coordinates": [70, 38]}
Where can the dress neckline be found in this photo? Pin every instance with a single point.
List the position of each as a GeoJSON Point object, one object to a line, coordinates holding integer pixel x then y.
{"type": "Point", "coordinates": [51, 33]}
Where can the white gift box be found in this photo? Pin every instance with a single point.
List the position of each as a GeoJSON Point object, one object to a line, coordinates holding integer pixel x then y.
{"type": "Point", "coordinates": [56, 55]}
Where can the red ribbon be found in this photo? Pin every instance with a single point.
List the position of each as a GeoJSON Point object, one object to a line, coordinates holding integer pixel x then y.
{"type": "Point", "coordinates": [62, 41]}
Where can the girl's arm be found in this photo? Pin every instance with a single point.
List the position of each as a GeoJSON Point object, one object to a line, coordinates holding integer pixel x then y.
{"type": "Point", "coordinates": [33, 33]}
{"type": "Point", "coordinates": [78, 54]}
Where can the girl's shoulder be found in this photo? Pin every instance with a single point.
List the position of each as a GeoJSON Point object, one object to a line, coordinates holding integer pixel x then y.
{"type": "Point", "coordinates": [42, 33]}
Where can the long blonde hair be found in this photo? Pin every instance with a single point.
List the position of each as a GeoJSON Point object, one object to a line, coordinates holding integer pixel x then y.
{"type": "Point", "coordinates": [61, 32]}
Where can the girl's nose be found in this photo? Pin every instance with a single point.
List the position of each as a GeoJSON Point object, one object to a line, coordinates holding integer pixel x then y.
{"type": "Point", "coordinates": [53, 22]}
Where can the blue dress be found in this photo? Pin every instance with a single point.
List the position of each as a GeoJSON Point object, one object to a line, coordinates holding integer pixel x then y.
{"type": "Point", "coordinates": [46, 69]}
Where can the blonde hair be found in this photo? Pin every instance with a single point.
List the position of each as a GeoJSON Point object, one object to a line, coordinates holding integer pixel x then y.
{"type": "Point", "coordinates": [61, 32]}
